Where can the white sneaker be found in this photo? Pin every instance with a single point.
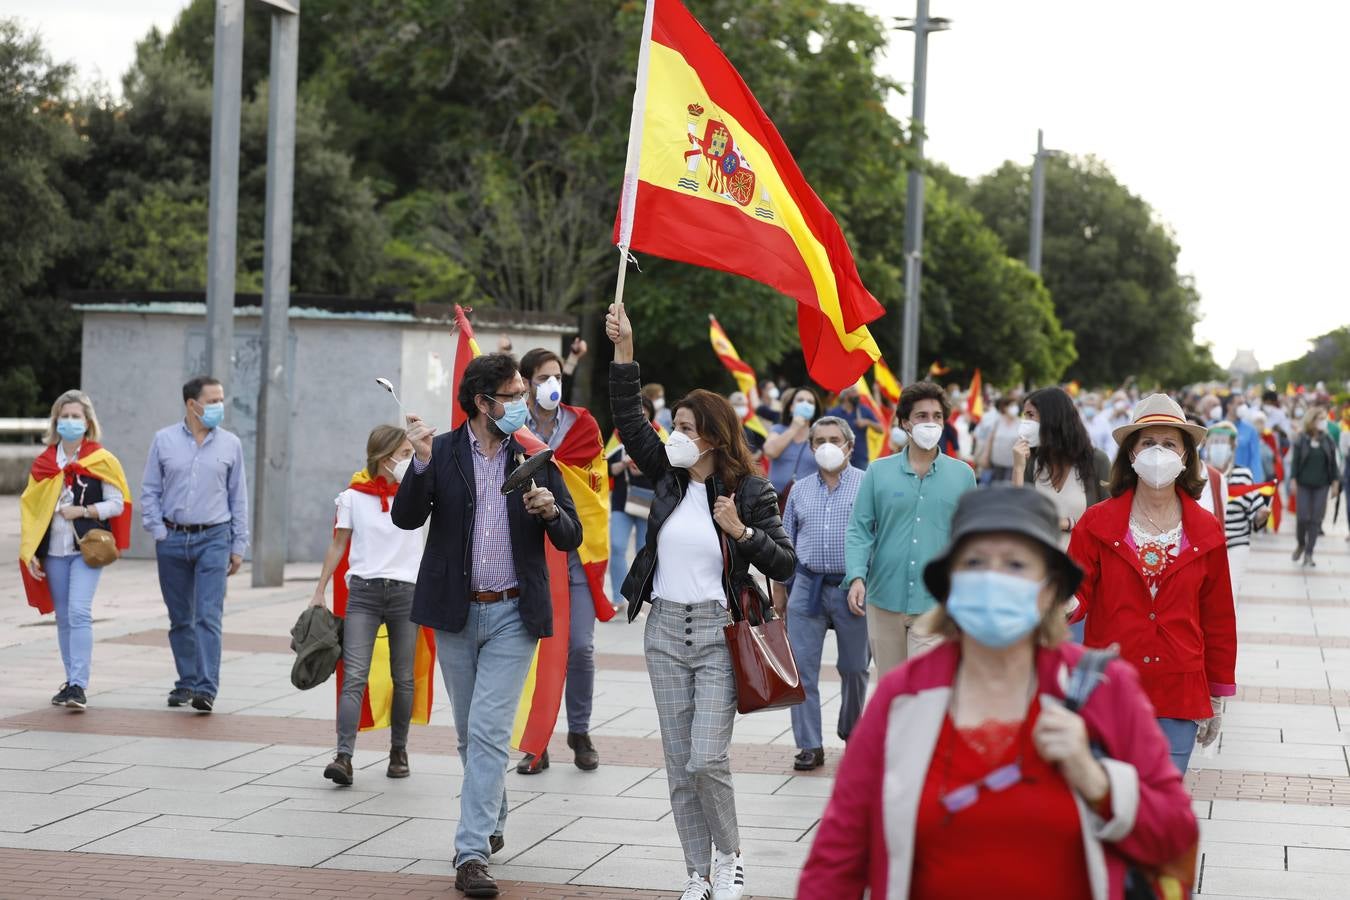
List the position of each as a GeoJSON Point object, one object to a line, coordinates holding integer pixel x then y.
{"type": "Point", "coordinates": [696, 888]}
{"type": "Point", "coordinates": [728, 881]}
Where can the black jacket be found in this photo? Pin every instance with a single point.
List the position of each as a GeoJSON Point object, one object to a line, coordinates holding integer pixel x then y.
{"type": "Point", "coordinates": [769, 550]}
{"type": "Point", "coordinates": [1303, 451]}
{"type": "Point", "coordinates": [445, 491]}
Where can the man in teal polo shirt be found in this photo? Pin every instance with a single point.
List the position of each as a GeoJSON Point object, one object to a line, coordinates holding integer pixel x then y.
{"type": "Point", "coordinates": [901, 520]}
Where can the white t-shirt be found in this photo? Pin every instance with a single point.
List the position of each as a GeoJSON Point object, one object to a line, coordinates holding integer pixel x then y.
{"type": "Point", "coordinates": [1070, 500]}
{"type": "Point", "coordinates": [688, 554]}
{"type": "Point", "coordinates": [379, 548]}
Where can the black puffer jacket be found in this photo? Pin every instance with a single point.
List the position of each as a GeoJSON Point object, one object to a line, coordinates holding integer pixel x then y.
{"type": "Point", "coordinates": [769, 550]}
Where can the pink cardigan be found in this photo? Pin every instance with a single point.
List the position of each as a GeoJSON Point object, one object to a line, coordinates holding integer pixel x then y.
{"type": "Point", "coordinates": [866, 837]}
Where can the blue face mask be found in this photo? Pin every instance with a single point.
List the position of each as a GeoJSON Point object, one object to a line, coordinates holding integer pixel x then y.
{"type": "Point", "coordinates": [804, 410]}
{"type": "Point", "coordinates": [994, 608]}
{"type": "Point", "coordinates": [513, 417]}
{"type": "Point", "coordinates": [70, 429]}
{"type": "Point", "coordinates": [212, 414]}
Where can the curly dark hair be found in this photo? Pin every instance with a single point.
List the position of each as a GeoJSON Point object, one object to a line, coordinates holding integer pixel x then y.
{"type": "Point", "coordinates": [483, 375]}
{"type": "Point", "coordinates": [1065, 443]}
{"type": "Point", "coordinates": [923, 390]}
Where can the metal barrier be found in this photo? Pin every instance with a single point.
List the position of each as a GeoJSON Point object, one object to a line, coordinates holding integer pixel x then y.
{"type": "Point", "coordinates": [22, 428]}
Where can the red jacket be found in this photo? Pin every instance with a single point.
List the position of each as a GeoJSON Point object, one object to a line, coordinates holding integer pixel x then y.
{"type": "Point", "coordinates": [1184, 641]}
{"type": "Point", "coordinates": [866, 837]}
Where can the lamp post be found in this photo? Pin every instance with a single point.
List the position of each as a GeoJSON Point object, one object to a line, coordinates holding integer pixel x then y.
{"type": "Point", "coordinates": [1038, 202]}
{"type": "Point", "coordinates": [921, 25]}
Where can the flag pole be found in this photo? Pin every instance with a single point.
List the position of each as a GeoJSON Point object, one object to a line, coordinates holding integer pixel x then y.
{"type": "Point", "coordinates": [628, 200]}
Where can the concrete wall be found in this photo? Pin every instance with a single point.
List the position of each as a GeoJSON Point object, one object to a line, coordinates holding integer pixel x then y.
{"type": "Point", "coordinates": [135, 364]}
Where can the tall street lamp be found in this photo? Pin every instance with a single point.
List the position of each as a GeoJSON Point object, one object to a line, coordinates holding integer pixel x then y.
{"type": "Point", "coordinates": [921, 25]}
{"type": "Point", "coordinates": [1038, 201]}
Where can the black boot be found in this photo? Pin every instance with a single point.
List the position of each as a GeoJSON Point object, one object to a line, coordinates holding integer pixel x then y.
{"type": "Point", "coordinates": [585, 755]}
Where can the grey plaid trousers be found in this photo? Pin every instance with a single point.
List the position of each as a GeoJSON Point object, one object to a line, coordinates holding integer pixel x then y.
{"type": "Point", "coordinates": [695, 689]}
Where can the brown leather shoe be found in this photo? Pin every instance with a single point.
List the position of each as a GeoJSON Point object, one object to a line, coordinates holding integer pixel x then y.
{"type": "Point", "coordinates": [586, 758]}
{"type": "Point", "coordinates": [398, 763]}
{"type": "Point", "coordinates": [339, 770]}
{"type": "Point", "coordinates": [531, 764]}
{"type": "Point", "coordinates": [473, 880]}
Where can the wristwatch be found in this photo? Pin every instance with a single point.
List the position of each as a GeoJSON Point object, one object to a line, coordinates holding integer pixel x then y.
{"type": "Point", "coordinates": [746, 535]}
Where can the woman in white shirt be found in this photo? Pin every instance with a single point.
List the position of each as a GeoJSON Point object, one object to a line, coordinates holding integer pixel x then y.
{"type": "Point", "coordinates": [382, 563]}
{"type": "Point", "coordinates": [74, 487]}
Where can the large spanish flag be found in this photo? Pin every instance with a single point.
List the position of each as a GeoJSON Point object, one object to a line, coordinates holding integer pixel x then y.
{"type": "Point", "coordinates": [37, 505]}
{"type": "Point", "coordinates": [709, 181]}
{"type": "Point", "coordinates": [377, 705]}
{"type": "Point", "coordinates": [739, 368]}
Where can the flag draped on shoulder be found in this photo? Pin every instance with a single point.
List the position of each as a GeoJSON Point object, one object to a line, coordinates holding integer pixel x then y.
{"type": "Point", "coordinates": [377, 705]}
{"type": "Point", "coordinates": [37, 505]}
{"type": "Point", "coordinates": [709, 181]}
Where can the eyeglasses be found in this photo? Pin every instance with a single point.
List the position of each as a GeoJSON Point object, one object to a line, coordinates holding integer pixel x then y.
{"type": "Point", "coordinates": [1000, 779]}
{"type": "Point", "coordinates": [510, 398]}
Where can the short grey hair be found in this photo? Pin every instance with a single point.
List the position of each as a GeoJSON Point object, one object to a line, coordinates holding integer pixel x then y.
{"type": "Point", "coordinates": [837, 422]}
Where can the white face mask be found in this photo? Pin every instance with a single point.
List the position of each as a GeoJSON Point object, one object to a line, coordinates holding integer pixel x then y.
{"type": "Point", "coordinates": [830, 457]}
{"type": "Point", "coordinates": [549, 394]}
{"type": "Point", "coordinates": [1158, 466]}
{"type": "Point", "coordinates": [899, 438]}
{"type": "Point", "coordinates": [740, 410]}
{"type": "Point", "coordinates": [1220, 454]}
{"type": "Point", "coordinates": [682, 451]}
{"type": "Point", "coordinates": [1243, 411]}
{"type": "Point", "coordinates": [659, 403]}
{"type": "Point", "coordinates": [401, 468]}
{"type": "Point", "coordinates": [1029, 431]}
{"type": "Point", "coordinates": [772, 394]}
{"type": "Point", "coordinates": [927, 435]}
{"type": "Point", "coordinates": [1013, 410]}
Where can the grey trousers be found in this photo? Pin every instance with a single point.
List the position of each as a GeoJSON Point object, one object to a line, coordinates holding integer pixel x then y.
{"type": "Point", "coordinates": [695, 689]}
{"type": "Point", "coordinates": [1312, 509]}
{"type": "Point", "coordinates": [370, 604]}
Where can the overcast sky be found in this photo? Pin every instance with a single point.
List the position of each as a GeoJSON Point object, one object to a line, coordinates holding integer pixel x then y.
{"type": "Point", "coordinates": [1221, 114]}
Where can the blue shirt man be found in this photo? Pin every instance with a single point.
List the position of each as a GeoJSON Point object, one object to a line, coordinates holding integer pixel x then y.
{"type": "Point", "coordinates": [194, 502]}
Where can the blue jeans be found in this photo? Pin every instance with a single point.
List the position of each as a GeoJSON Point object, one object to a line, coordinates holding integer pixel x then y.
{"type": "Point", "coordinates": [72, 585]}
{"type": "Point", "coordinates": [1180, 734]}
{"type": "Point", "coordinates": [192, 573]}
{"type": "Point", "coordinates": [807, 636]}
{"type": "Point", "coordinates": [580, 688]}
{"type": "Point", "coordinates": [621, 528]}
{"type": "Point", "coordinates": [484, 667]}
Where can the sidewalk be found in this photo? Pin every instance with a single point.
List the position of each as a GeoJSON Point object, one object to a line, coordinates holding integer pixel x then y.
{"type": "Point", "coordinates": [136, 800]}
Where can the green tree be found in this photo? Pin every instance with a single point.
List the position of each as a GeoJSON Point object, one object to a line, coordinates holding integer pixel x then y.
{"type": "Point", "coordinates": [40, 341]}
{"type": "Point", "coordinates": [1110, 267]}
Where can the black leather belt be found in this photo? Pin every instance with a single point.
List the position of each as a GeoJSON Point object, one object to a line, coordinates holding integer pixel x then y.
{"type": "Point", "coordinates": [188, 529]}
{"type": "Point", "coordinates": [494, 596]}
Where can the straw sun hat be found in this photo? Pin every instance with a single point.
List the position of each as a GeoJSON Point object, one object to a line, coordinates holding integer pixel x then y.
{"type": "Point", "coordinates": [1159, 409]}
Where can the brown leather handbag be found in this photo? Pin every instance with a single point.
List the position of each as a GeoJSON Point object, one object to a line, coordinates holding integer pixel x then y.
{"type": "Point", "coordinates": [761, 656]}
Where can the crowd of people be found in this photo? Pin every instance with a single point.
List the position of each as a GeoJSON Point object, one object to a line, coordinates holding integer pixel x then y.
{"type": "Point", "coordinates": [969, 560]}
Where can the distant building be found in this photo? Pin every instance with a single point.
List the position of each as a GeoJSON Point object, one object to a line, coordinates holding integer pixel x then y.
{"type": "Point", "coordinates": [1244, 364]}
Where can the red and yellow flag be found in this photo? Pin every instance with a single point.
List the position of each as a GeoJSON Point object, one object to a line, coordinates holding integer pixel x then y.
{"type": "Point", "coordinates": [378, 703]}
{"type": "Point", "coordinates": [739, 368]}
{"type": "Point", "coordinates": [937, 369]}
{"type": "Point", "coordinates": [465, 349]}
{"type": "Point", "coordinates": [37, 505]}
{"type": "Point", "coordinates": [886, 381]}
{"type": "Point", "coordinates": [975, 398]}
{"type": "Point", "coordinates": [709, 181]}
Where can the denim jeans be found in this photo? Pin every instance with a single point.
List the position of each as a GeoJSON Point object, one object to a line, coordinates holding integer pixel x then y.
{"type": "Point", "coordinates": [1180, 734]}
{"type": "Point", "coordinates": [621, 528]}
{"type": "Point", "coordinates": [484, 667]}
{"type": "Point", "coordinates": [580, 688]}
{"type": "Point", "coordinates": [192, 572]}
{"type": "Point", "coordinates": [72, 585]}
{"type": "Point", "coordinates": [807, 636]}
{"type": "Point", "coordinates": [370, 604]}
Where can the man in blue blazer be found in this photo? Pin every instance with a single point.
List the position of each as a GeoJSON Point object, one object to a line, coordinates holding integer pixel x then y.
{"type": "Point", "coordinates": [483, 585]}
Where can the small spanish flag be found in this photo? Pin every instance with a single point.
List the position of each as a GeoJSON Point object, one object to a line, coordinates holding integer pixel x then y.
{"type": "Point", "coordinates": [709, 181]}
{"type": "Point", "coordinates": [886, 381]}
{"type": "Point", "coordinates": [975, 398]}
{"type": "Point", "coordinates": [37, 504]}
{"type": "Point", "coordinates": [739, 368]}
{"type": "Point", "coordinates": [377, 705]}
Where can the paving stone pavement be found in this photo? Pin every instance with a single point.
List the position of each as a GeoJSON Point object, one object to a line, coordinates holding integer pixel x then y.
{"type": "Point", "coordinates": [131, 799]}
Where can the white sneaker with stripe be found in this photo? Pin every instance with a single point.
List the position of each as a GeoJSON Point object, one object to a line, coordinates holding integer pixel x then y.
{"type": "Point", "coordinates": [728, 881]}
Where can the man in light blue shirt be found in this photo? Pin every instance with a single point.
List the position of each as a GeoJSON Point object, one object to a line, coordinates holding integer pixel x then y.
{"type": "Point", "coordinates": [901, 520]}
{"type": "Point", "coordinates": [194, 501]}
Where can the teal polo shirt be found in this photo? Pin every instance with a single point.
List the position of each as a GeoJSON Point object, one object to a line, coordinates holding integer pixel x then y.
{"type": "Point", "coordinates": [901, 521]}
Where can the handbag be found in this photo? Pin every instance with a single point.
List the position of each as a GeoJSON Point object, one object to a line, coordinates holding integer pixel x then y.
{"type": "Point", "coordinates": [761, 655]}
{"type": "Point", "coordinates": [99, 548]}
{"type": "Point", "coordinates": [638, 502]}
{"type": "Point", "coordinates": [1172, 879]}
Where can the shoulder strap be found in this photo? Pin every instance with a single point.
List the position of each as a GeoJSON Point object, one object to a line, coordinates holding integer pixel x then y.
{"type": "Point", "coordinates": [1089, 672]}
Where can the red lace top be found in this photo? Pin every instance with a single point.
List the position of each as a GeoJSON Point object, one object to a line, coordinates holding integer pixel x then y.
{"type": "Point", "coordinates": [1021, 842]}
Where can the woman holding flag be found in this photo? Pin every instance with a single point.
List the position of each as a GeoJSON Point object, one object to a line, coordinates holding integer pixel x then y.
{"type": "Point", "coordinates": [74, 487]}
{"type": "Point", "coordinates": [376, 564]}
